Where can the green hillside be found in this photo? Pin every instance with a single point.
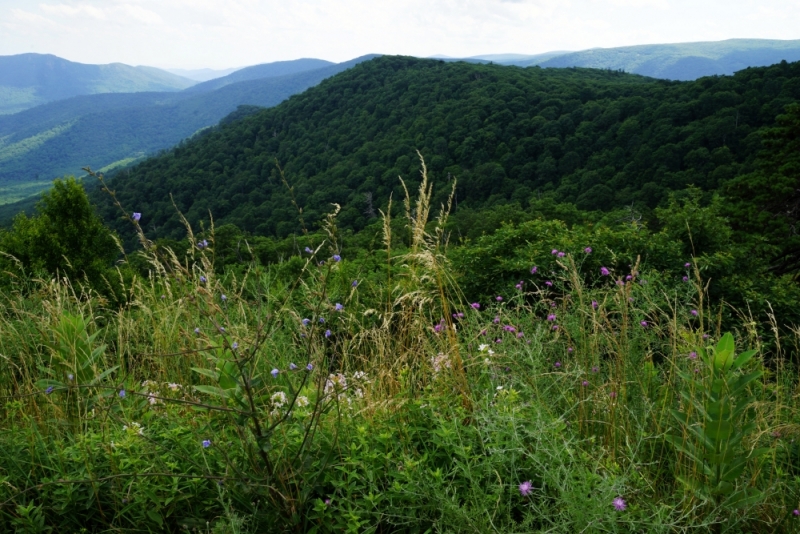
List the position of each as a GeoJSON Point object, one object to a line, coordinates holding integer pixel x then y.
{"type": "Point", "coordinates": [28, 80]}
{"type": "Point", "coordinates": [599, 139]}
{"type": "Point", "coordinates": [681, 61]}
{"type": "Point", "coordinates": [98, 130]}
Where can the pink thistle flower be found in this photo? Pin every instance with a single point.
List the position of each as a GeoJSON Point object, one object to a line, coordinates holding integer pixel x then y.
{"type": "Point", "coordinates": [554, 252]}
{"type": "Point", "coordinates": [588, 250]}
{"type": "Point", "coordinates": [694, 312]}
{"type": "Point", "coordinates": [525, 488]}
{"type": "Point", "coordinates": [548, 283]}
{"type": "Point", "coordinates": [499, 298]}
{"type": "Point", "coordinates": [534, 269]}
{"type": "Point", "coordinates": [604, 271]}
{"type": "Point", "coordinates": [561, 254]}
{"type": "Point", "coordinates": [619, 504]}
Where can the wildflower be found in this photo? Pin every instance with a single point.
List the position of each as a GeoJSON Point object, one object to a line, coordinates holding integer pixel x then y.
{"type": "Point", "coordinates": [643, 323]}
{"type": "Point", "coordinates": [355, 283]}
{"type": "Point", "coordinates": [588, 250]}
{"type": "Point", "coordinates": [705, 336]}
{"type": "Point", "coordinates": [496, 319]}
{"type": "Point", "coordinates": [548, 283]}
{"type": "Point", "coordinates": [594, 304]}
{"type": "Point", "coordinates": [595, 369]}
{"type": "Point", "coordinates": [693, 355]}
{"type": "Point", "coordinates": [197, 331]}
{"type": "Point", "coordinates": [687, 264]}
{"type": "Point", "coordinates": [278, 399]}
{"type": "Point", "coordinates": [475, 306]}
{"type": "Point", "coordinates": [585, 383]}
{"type": "Point", "coordinates": [685, 278]}
{"type": "Point", "coordinates": [555, 327]}
{"type": "Point", "coordinates": [561, 254]}
{"type": "Point", "coordinates": [206, 443]}
{"type": "Point", "coordinates": [460, 315]}
{"type": "Point", "coordinates": [339, 307]}
{"type": "Point", "coordinates": [305, 322]}
{"type": "Point", "coordinates": [336, 257]}
{"type": "Point", "coordinates": [554, 252]}
{"type": "Point", "coordinates": [795, 513]}
{"type": "Point", "coordinates": [604, 271]}
{"type": "Point", "coordinates": [235, 345]}
{"type": "Point", "coordinates": [620, 283]}
{"type": "Point", "coordinates": [301, 401]}
{"type": "Point", "coordinates": [483, 332]}
{"type": "Point", "coordinates": [694, 312]}
{"type": "Point", "coordinates": [327, 333]}
{"type": "Point", "coordinates": [558, 365]}
{"type": "Point", "coordinates": [309, 367]}
{"type": "Point", "coordinates": [327, 502]}
{"type": "Point", "coordinates": [221, 329]}
{"type": "Point", "coordinates": [49, 390]}
{"type": "Point", "coordinates": [292, 367]}
{"type": "Point", "coordinates": [551, 317]}
{"type": "Point", "coordinates": [437, 328]}
{"type": "Point", "coordinates": [498, 340]}
{"type": "Point", "coordinates": [483, 347]}
{"type": "Point", "coordinates": [202, 244]}
{"type": "Point", "coordinates": [619, 504]}
{"type": "Point", "coordinates": [70, 377]}
{"type": "Point", "coordinates": [509, 328]}
{"type": "Point", "coordinates": [439, 362]}
{"type": "Point", "coordinates": [122, 394]}
{"type": "Point", "coordinates": [308, 249]}
{"type": "Point", "coordinates": [136, 216]}
{"type": "Point", "coordinates": [613, 394]}
{"type": "Point", "coordinates": [274, 373]}
{"type": "Point", "coordinates": [569, 349]}
{"type": "Point", "coordinates": [534, 269]}
{"type": "Point", "coordinates": [223, 298]}
{"type": "Point", "coordinates": [321, 320]}
{"type": "Point", "coordinates": [519, 286]}
{"type": "Point", "coordinates": [628, 278]}
{"type": "Point", "coordinates": [520, 335]}
{"type": "Point", "coordinates": [173, 386]}
{"type": "Point", "coordinates": [203, 280]}
{"type": "Point", "coordinates": [525, 488]}
{"type": "Point", "coordinates": [553, 305]}
{"type": "Point", "coordinates": [499, 298]}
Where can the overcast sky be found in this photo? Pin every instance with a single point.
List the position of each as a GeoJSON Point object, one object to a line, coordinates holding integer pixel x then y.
{"type": "Point", "coordinates": [233, 33]}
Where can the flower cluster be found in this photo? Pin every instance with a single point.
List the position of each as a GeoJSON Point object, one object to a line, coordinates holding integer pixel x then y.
{"type": "Point", "coordinates": [439, 362]}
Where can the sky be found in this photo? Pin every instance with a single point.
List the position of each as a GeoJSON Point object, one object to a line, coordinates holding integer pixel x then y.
{"type": "Point", "coordinates": [233, 33]}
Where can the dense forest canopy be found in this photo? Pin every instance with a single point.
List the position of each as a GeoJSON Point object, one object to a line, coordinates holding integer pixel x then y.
{"type": "Point", "coordinates": [599, 139]}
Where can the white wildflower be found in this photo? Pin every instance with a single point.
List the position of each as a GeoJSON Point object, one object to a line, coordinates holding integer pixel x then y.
{"type": "Point", "coordinates": [301, 401]}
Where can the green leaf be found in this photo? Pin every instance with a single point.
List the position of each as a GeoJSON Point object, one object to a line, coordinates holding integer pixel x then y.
{"type": "Point", "coordinates": [206, 372]}
{"type": "Point", "coordinates": [723, 355]}
{"type": "Point", "coordinates": [212, 390]}
{"type": "Point", "coordinates": [743, 358]}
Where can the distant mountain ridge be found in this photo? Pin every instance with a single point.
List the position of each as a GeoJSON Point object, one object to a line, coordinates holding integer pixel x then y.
{"type": "Point", "coordinates": [682, 61]}
{"type": "Point", "coordinates": [265, 70]}
{"type": "Point", "coordinates": [28, 80]}
{"type": "Point", "coordinates": [104, 130]}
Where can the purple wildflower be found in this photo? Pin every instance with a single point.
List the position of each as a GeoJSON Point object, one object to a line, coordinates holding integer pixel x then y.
{"type": "Point", "coordinates": [534, 269]}
{"type": "Point", "coordinates": [339, 307]}
{"type": "Point", "coordinates": [554, 252]}
{"type": "Point", "coordinates": [321, 320]}
{"type": "Point", "coordinates": [555, 327]}
{"type": "Point", "coordinates": [71, 377]}
{"type": "Point", "coordinates": [327, 333]}
{"type": "Point", "coordinates": [509, 328]}
{"type": "Point", "coordinates": [628, 278]}
{"type": "Point", "coordinates": [643, 323]}
{"type": "Point", "coordinates": [694, 312]}
{"type": "Point", "coordinates": [619, 504]}
{"type": "Point", "coordinates": [305, 322]}
{"type": "Point", "coordinates": [197, 331]}
{"type": "Point", "coordinates": [476, 306]}
{"type": "Point", "coordinates": [136, 216]}
{"type": "Point", "coordinates": [274, 373]}
{"type": "Point", "coordinates": [223, 298]}
{"type": "Point", "coordinates": [561, 254]}
{"type": "Point", "coordinates": [496, 319]}
{"type": "Point", "coordinates": [526, 487]}
{"type": "Point", "coordinates": [588, 250]}
{"type": "Point", "coordinates": [585, 383]}
{"type": "Point", "coordinates": [613, 394]}
{"type": "Point", "coordinates": [483, 332]}
{"type": "Point", "coordinates": [308, 249]}
{"type": "Point", "coordinates": [594, 304]}
{"type": "Point", "coordinates": [551, 317]}
{"type": "Point", "coordinates": [595, 369]}
{"type": "Point", "coordinates": [795, 513]}
{"type": "Point", "coordinates": [203, 280]}
{"type": "Point", "coordinates": [685, 278]}
{"type": "Point", "coordinates": [498, 340]}
{"type": "Point", "coordinates": [558, 365]}
{"type": "Point", "coordinates": [336, 257]}
{"type": "Point", "coordinates": [520, 335]}
{"type": "Point", "coordinates": [49, 390]}
{"type": "Point", "coordinates": [687, 264]}
{"type": "Point", "coordinates": [122, 394]}
{"type": "Point", "coordinates": [548, 283]}
{"type": "Point", "coordinates": [292, 367]}
{"type": "Point", "coordinates": [604, 271]}
{"type": "Point", "coordinates": [309, 367]}
{"type": "Point", "coordinates": [206, 443]}
{"type": "Point", "coordinates": [355, 283]}
{"type": "Point", "coordinates": [569, 349]}
{"type": "Point", "coordinates": [235, 345]}
{"type": "Point", "coordinates": [693, 355]}
{"type": "Point", "coordinates": [499, 298]}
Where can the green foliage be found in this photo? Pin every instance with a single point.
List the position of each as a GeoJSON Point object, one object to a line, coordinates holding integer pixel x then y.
{"type": "Point", "coordinates": [64, 238]}
{"type": "Point", "coordinates": [716, 425]}
{"type": "Point", "coordinates": [597, 139]}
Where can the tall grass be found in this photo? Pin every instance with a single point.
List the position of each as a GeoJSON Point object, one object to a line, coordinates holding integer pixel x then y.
{"type": "Point", "coordinates": [323, 403]}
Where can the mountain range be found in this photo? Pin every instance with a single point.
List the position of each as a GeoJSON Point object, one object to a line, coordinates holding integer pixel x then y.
{"type": "Point", "coordinates": [147, 110]}
{"type": "Point", "coordinates": [28, 80]}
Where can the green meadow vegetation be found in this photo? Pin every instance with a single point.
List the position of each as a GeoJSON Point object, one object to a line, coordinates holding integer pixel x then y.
{"type": "Point", "coordinates": [338, 391]}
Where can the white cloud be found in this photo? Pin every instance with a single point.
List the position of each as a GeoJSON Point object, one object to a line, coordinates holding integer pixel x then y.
{"type": "Point", "coordinates": [221, 33]}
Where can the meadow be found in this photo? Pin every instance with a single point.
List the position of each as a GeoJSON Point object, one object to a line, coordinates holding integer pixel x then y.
{"type": "Point", "coordinates": [312, 396]}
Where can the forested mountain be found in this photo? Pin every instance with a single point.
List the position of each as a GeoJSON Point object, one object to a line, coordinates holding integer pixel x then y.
{"type": "Point", "coordinates": [600, 139]}
{"type": "Point", "coordinates": [202, 75]}
{"type": "Point", "coordinates": [28, 80]}
{"type": "Point", "coordinates": [266, 70]}
{"type": "Point", "coordinates": [681, 61]}
{"type": "Point", "coordinates": [99, 130]}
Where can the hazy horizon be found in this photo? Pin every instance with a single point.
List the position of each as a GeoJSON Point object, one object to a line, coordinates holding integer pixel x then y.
{"type": "Point", "coordinates": [195, 34]}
